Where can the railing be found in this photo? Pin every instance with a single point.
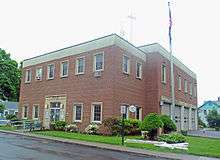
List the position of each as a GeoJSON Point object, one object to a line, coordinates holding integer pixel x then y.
{"type": "Point", "coordinates": [27, 125]}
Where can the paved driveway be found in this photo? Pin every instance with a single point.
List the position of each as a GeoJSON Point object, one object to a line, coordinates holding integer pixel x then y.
{"type": "Point", "coordinates": [14, 147]}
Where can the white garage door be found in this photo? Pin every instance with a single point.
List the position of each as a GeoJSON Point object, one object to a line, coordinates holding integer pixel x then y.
{"type": "Point", "coordinates": [186, 119]}
{"type": "Point", "coordinates": [165, 109]}
{"type": "Point", "coordinates": [193, 119]}
{"type": "Point", "coordinates": [177, 117]}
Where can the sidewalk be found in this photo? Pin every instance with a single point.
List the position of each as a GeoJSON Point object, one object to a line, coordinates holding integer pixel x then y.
{"type": "Point", "coordinates": [116, 148]}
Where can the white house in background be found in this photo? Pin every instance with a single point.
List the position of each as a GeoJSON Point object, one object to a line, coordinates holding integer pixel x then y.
{"type": "Point", "coordinates": [10, 108]}
{"type": "Point", "coordinates": [207, 107]}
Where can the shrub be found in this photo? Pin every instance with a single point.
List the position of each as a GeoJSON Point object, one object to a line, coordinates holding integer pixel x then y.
{"type": "Point", "coordinates": [71, 128]}
{"type": "Point", "coordinates": [11, 117]}
{"type": "Point", "coordinates": [151, 123]}
{"type": "Point", "coordinates": [172, 138]}
{"type": "Point", "coordinates": [183, 132]}
{"type": "Point", "coordinates": [92, 129]}
{"type": "Point", "coordinates": [60, 125]}
{"type": "Point", "coordinates": [168, 124]}
{"type": "Point", "coordinates": [113, 125]}
{"type": "Point", "coordinates": [132, 127]}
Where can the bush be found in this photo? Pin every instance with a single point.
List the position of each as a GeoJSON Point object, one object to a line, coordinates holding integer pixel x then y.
{"type": "Point", "coordinates": [151, 123]}
{"type": "Point", "coordinates": [71, 128]}
{"type": "Point", "coordinates": [183, 132]}
{"type": "Point", "coordinates": [172, 138]}
{"type": "Point", "coordinates": [113, 125]}
{"type": "Point", "coordinates": [168, 124]}
{"type": "Point", "coordinates": [132, 127]}
{"type": "Point", "coordinates": [60, 125]}
{"type": "Point", "coordinates": [11, 117]}
{"type": "Point", "coordinates": [92, 129]}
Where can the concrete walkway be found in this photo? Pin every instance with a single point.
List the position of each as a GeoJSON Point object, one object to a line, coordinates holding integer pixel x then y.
{"type": "Point", "coordinates": [117, 148]}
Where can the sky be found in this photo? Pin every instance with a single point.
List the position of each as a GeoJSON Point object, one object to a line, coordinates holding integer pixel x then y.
{"type": "Point", "coordinates": [32, 27]}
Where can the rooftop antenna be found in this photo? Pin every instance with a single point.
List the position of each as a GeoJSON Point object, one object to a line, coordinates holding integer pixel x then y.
{"type": "Point", "coordinates": [132, 19]}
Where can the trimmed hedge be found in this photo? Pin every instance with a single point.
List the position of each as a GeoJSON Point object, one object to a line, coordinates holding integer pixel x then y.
{"type": "Point", "coordinates": [172, 138]}
{"type": "Point", "coordinates": [168, 124]}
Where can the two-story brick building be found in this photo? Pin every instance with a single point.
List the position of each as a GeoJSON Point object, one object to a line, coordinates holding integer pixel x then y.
{"type": "Point", "coordinates": [90, 81]}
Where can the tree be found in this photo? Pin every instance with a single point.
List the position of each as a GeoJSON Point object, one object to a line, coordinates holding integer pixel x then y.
{"type": "Point", "coordinates": [168, 124]}
{"type": "Point", "coordinates": [151, 123]}
{"type": "Point", "coordinates": [2, 108]}
{"type": "Point", "coordinates": [10, 75]}
{"type": "Point", "coordinates": [213, 119]}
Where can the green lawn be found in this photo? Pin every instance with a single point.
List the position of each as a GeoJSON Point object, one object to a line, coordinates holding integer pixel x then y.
{"type": "Point", "coordinates": [7, 128]}
{"type": "Point", "coordinates": [197, 145]}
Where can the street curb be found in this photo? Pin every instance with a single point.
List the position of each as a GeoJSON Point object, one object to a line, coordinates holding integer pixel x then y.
{"type": "Point", "coordinates": [140, 152]}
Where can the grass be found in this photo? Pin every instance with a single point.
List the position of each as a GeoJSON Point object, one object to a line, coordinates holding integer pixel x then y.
{"type": "Point", "coordinates": [197, 145]}
{"type": "Point", "coordinates": [7, 128]}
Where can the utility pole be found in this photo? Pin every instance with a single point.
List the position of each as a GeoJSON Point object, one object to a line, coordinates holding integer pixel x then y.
{"type": "Point", "coordinates": [132, 18]}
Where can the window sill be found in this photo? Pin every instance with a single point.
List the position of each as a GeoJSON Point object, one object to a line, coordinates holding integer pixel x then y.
{"type": "Point", "coordinates": [64, 76]}
{"type": "Point", "coordinates": [27, 82]}
{"type": "Point", "coordinates": [126, 73]}
{"type": "Point", "coordinates": [78, 121]}
{"type": "Point", "coordinates": [98, 122]}
{"type": "Point", "coordinates": [50, 78]}
{"type": "Point", "coordinates": [139, 78]}
{"type": "Point", "coordinates": [77, 74]}
{"type": "Point", "coordinates": [100, 70]}
{"type": "Point", "coordinates": [164, 82]}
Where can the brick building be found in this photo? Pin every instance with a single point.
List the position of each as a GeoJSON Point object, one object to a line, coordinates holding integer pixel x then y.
{"type": "Point", "coordinates": [89, 82]}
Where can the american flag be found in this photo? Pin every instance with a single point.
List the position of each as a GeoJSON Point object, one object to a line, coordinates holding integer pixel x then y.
{"type": "Point", "coordinates": [170, 25]}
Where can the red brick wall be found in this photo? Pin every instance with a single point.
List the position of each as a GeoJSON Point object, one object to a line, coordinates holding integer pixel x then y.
{"type": "Point", "coordinates": [157, 89]}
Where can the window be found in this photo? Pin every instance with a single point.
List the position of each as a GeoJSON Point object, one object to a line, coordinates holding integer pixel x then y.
{"type": "Point", "coordinates": [64, 69]}
{"type": "Point", "coordinates": [185, 86]}
{"type": "Point", "coordinates": [205, 112]}
{"type": "Point", "coordinates": [28, 76]}
{"type": "Point", "coordinates": [50, 71]}
{"type": "Point", "coordinates": [35, 112]}
{"type": "Point", "coordinates": [25, 112]}
{"type": "Point", "coordinates": [190, 88]}
{"type": "Point", "coordinates": [77, 110]}
{"type": "Point", "coordinates": [138, 113]}
{"type": "Point", "coordinates": [179, 83]}
{"type": "Point", "coordinates": [163, 71]}
{"type": "Point", "coordinates": [126, 64]}
{"type": "Point", "coordinates": [194, 91]}
{"type": "Point", "coordinates": [97, 112]}
{"type": "Point", "coordinates": [39, 73]}
{"type": "Point", "coordinates": [138, 70]}
{"type": "Point", "coordinates": [126, 115]}
{"type": "Point", "coordinates": [80, 65]}
{"type": "Point", "coordinates": [99, 62]}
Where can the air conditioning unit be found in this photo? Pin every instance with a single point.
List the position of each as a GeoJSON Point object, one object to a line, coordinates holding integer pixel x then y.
{"type": "Point", "coordinates": [38, 78]}
{"type": "Point", "coordinates": [161, 103]}
{"type": "Point", "coordinates": [97, 74]}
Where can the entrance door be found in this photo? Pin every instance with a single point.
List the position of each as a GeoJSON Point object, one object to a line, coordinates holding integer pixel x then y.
{"type": "Point", "coordinates": [55, 111]}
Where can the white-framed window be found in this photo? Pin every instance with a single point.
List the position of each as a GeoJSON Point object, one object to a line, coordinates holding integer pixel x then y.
{"type": "Point", "coordinates": [39, 73]}
{"type": "Point", "coordinates": [126, 64]}
{"type": "Point", "coordinates": [50, 71]}
{"type": "Point", "coordinates": [77, 112]}
{"type": "Point", "coordinates": [35, 111]}
{"type": "Point", "coordinates": [80, 65]}
{"type": "Point", "coordinates": [64, 68]}
{"type": "Point", "coordinates": [126, 115]}
{"type": "Point", "coordinates": [185, 86]}
{"type": "Point", "coordinates": [179, 83]}
{"type": "Point", "coordinates": [195, 90]}
{"type": "Point", "coordinates": [28, 76]}
{"type": "Point", "coordinates": [25, 112]}
{"type": "Point", "coordinates": [190, 88]}
{"type": "Point", "coordinates": [99, 62]}
{"type": "Point", "coordinates": [96, 112]}
{"type": "Point", "coordinates": [138, 113]}
{"type": "Point", "coordinates": [138, 70]}
{"type": "Point", "coordinates": [163, 73]}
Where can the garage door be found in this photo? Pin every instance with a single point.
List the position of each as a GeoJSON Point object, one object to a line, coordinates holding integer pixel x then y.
{"type": "Point", "coordinates": [177, 117]}
{"type": "Point", "coordinates": [193, 119]}
{"type": "Point", "coordinates": [186, 119]}
{"type": "Point", "coordinates": [165, 109]}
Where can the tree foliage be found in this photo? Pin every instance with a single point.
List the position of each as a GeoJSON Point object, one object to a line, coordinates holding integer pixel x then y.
{"type": "Point", "coordinates": [169, 125]}
{"type": "Point", "coordinates": [2, 108]}
{"type": "Point", "coordinates": [9, 77]}
{"type": "Point", "coordinates": [213, 119]}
